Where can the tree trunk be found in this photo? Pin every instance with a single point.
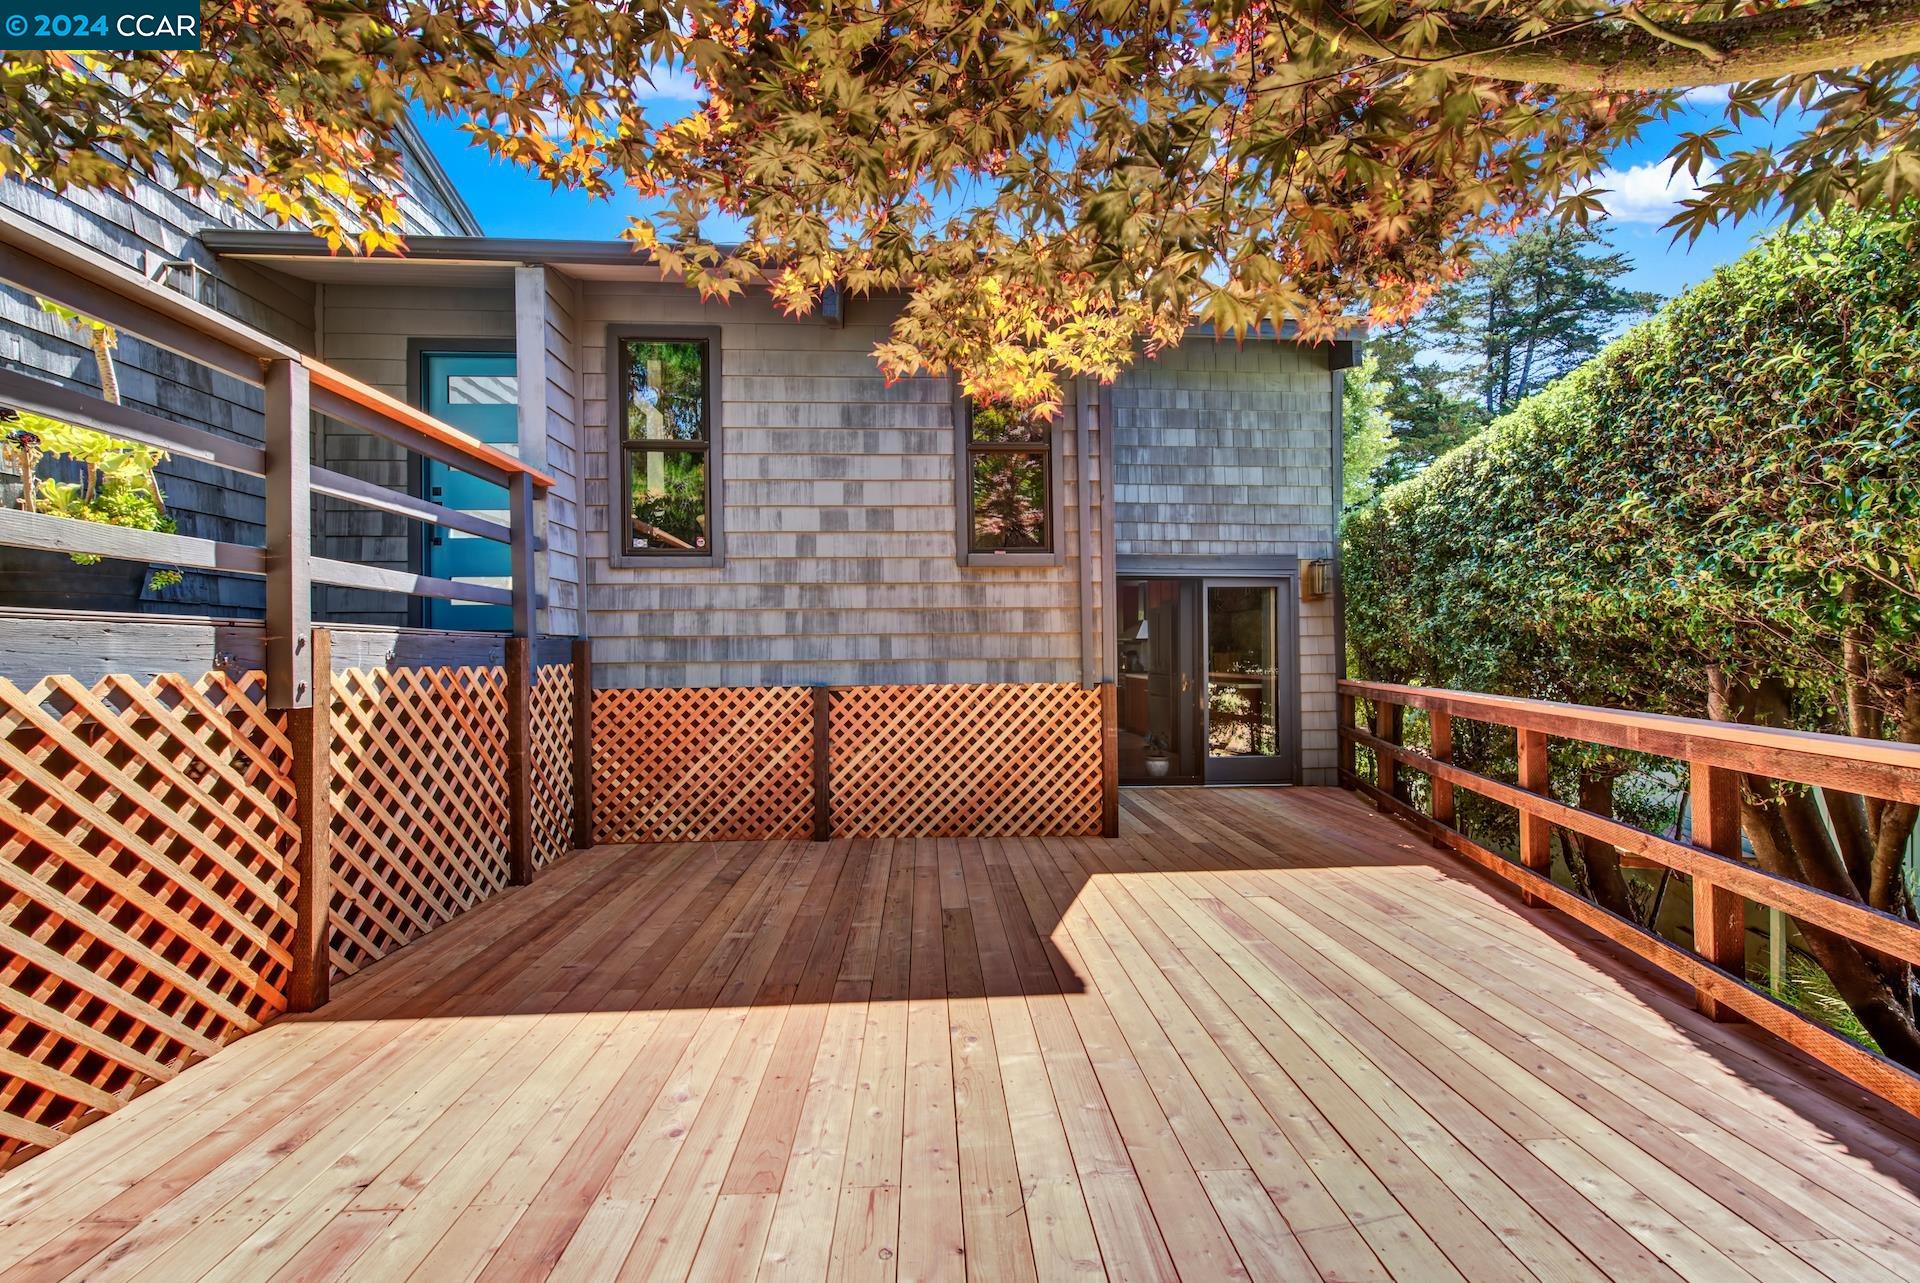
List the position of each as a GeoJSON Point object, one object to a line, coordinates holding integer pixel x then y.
{"type": "Point", "coordinates": [1610, 889]}
{"type": "Point", "coordinates": [1791, 840]}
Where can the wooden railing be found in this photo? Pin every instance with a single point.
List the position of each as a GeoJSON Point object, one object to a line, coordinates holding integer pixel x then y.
{"type": "Point", "coordinates": [296, 388]}
{"type": "Point", "coordinates": [1716, 755]}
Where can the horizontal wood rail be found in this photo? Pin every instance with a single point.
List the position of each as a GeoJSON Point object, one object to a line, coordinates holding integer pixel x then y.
{"type": "Point", "coordinates": [297, 387]}
{"type": "Point", "coordinates": [1716, 754]}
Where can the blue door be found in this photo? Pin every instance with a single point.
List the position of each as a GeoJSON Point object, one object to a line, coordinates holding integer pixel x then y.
{"type": "Point", "coordinates": [478, 393]}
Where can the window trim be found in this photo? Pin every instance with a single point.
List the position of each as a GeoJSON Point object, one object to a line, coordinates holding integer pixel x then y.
{"type": "Point", "coordinates": [620, 551]}
{"type": "Point", "coordinates": [987, 559]}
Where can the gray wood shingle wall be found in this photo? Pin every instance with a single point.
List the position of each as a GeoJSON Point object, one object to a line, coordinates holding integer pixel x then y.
{"type": "Point", "coordinates": [840, 557]}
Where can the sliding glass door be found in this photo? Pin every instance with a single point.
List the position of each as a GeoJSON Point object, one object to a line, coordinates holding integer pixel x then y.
{"type": "Point", "coordinates": [1207, 675]}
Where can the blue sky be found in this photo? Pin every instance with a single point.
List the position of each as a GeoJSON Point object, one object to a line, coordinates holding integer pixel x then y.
{"type": "Point", "coordinates": [511, 202]}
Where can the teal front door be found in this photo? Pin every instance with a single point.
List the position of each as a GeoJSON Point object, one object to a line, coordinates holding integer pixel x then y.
{"type": "Point", "coordinates": [478, 393]}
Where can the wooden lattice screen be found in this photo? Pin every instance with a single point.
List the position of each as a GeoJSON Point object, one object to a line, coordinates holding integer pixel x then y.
{"type": "Point", "coordinates": [551, 718]}
{"type": "Point", "coordinates": [948, 761]}
{"type": "Point", "coordinates": [420, 821]}
{"type": "Point", "coordinates": [711, 764]}
{"type": "Point", "coordinates": [146, 847]}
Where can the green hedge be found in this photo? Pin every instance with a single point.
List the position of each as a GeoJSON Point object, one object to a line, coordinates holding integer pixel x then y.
{"type": "Point", "coordinates": [1735, 482]}
{"type": "Point", "coordinates": [1727, 498]}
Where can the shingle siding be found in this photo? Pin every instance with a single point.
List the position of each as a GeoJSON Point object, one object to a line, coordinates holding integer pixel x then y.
{"type": "Point", "coordinates": [840, 557]}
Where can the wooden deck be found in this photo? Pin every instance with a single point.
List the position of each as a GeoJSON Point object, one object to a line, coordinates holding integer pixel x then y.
{"type": "Point", "coordinates": [1265, 1035]}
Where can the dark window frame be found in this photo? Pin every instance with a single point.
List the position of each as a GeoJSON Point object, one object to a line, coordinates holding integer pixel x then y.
{"type": "Point", "coordinates": [965, 448]}
{"type": "Point", "coordinates": [620, 549]}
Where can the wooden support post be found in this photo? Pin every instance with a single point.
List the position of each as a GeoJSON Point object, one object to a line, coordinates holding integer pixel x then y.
{"type": "Point", "coordinates": [289, 451]}
{"type": "Point", "coordinates": [519, 760]}
{"type": "Point", "coordinates": [1719, 915]}
{"type": "Point", "coordinates": [1386, 724]}
{"type": "Point", "coordinates": [1109, 760]}
{"type": "Point", "coordinates": [1440, 728]}
{"type": "Point", "coordinates": [1349, 752]}
{"type": "Point", "coordinates": [310, 733]}
{"type": "Point", "coordinates": [822, 763]}
{"type": "Point", "coordinates": [582, 743]}
{"type": "Point", "coordinates": [526, 599]}
{"type": "Point", "coordinates": [1536, 845]}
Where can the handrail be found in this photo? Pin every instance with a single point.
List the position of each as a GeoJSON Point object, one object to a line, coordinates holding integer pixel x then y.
{"type": "Point", "coordinates": [1878, 768]}
{"type": "Point", "coordinates": [325, 378]}
{"type": "Point", "coordinates": [1717, 754]}
{"type": "Point", "coordinates": [297, 387]}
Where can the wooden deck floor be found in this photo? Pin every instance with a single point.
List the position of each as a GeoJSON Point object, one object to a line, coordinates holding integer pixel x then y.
{"type": "Point", "coordinates": [1265, 1035]}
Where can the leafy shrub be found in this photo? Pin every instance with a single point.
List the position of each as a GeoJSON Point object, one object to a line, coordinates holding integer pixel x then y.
{"type": "Point", "coordinates": [1719, 515]}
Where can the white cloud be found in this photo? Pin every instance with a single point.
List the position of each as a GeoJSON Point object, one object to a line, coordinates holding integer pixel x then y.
{"type": "Point", "coordinates": [1707, 96]}
{"type": "Point", "coordinates": [1648, 193]}
{"type": "Point", "coordinates": [671, 83]}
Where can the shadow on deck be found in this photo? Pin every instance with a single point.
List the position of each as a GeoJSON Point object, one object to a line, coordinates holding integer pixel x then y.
{"type": "Point", "coordinates": [1265, 1034]}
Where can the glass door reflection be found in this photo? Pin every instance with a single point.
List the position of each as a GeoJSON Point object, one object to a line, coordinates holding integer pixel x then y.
{"type": "Point", "coordinates": [1155, 695]}
{"type": "Point", "coordinates": [1246, 700]}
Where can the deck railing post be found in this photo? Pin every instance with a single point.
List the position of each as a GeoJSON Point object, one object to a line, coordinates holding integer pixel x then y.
{"type": "Point", "coordinates": [1440, 749]}
{"type": "Point", "coordinates": [519, 675]}
{"type": "Point", "coordinates": [582, 743]}
{"type": "Point", "coordinates": [289, 459]}
{"type": "Point", "coordinates": [1719, 915]}
{"type": "Point", "coordinates": [1109, 760]}
{"type": "Point", "coordinates": [1349, 751]}
{"type": "Point", "coordinates": [1387, 722]}
{"type": "Point", "coordinates": [822, 763]}
{"type": "Point", "coordinates": [310, 734]}
{"type": "Point", "coordinates": [1536, 843]}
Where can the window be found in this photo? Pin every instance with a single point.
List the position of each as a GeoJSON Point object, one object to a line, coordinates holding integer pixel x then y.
{"type": "Point", "coordinates": [666, 452]}
{"type": "Point", "coordinates": [1008, 481]}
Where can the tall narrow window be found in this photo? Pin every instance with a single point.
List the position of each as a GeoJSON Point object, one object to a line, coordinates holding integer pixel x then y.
{"type": "Point", "coordinates": [666, 446]}
{"type": "Point", "coordinates": [1010, 480]}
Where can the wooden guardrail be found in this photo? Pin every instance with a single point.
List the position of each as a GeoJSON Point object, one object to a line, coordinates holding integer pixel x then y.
{"type": "Point", "coordinates": [296, 388]}
{"type": "Point", "coordinates": [1716, 754]}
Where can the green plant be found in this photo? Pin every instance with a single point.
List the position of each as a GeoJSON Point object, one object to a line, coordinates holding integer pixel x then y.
{"type": "Point", "coordinates": [1720, 516]}
{"type": "Point", "coordinates": [118, 483]}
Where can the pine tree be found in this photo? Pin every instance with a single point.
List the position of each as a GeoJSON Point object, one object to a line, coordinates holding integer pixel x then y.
{"type": "Point", "coordinates": [1521, 318]}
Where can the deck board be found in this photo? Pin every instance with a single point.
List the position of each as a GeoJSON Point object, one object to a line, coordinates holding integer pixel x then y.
{"type": "Point", "coordinates": [1266, 1035]}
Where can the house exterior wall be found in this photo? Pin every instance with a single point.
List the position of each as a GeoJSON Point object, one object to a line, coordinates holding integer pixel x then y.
{"type": "Point", "coordinates": [840, 560]}
{"type": "Point", "coordinates": [1225, 450]}
{"type": "Point", "coordinates": [145, 228]}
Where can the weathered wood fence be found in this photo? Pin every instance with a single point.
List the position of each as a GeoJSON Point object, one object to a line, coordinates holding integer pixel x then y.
{"type": "Point", "coordinates": [1716, 756]}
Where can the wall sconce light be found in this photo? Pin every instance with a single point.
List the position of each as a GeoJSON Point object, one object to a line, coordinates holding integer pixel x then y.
{"type": "Point", "coordinates": [1316, 579]}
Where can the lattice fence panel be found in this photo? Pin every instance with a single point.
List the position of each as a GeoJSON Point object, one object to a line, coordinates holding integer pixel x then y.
{"type": "Point", "coordinates": [551, 715]}
{"type": "Point", "coordinates": [953, 761]}
{"type": "Point", "coordinates": [146, 879]}
{"type": "Point", "coordinates": [420, 820]}
{"type": "Point", "coordinates": [710, 764]}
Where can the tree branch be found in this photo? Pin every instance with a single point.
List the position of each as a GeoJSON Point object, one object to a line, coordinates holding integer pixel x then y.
{"type": "Point", "coordinates": [1636, 54]}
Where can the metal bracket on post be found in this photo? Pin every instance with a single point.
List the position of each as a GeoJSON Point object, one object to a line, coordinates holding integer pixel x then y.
{"type": "Point", "coordinates": [289, 451]}
{"type": "Point", "coordinates": [310, 735]}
